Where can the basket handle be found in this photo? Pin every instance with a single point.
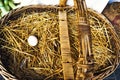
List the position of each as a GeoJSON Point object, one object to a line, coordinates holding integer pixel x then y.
{"type": "Point", "coordinates": [62, 3]}
{"type": "Point", "coordinates": [84, 38]}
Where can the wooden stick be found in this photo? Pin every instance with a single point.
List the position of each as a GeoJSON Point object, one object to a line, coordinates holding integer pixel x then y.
{"type": "Point", "coordinates": [65, 47]}
{"type": "Point", "coordinates": [84, 37]}
{"type": "Point", "coordinates": [62, 3]}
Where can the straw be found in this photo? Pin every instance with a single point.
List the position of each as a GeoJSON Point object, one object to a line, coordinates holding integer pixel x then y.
{"type": "Point", "coordinates": [43, 61]}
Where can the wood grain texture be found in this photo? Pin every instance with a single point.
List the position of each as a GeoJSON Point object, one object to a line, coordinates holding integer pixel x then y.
{"type": "Point", "coordinates": [84, 38]}
{"type": "Point", "coordinates": [65, 47]}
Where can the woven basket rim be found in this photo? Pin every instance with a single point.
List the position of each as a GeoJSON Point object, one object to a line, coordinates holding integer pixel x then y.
{"type": "Point", "coordinates": [18, 11]}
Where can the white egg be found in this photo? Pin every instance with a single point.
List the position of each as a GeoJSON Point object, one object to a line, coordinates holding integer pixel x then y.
{"type": "Point", "coordinates": [32, 40]}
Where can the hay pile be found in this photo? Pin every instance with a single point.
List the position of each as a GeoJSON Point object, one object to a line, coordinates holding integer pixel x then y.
{"type": "Point", "coordinates": [43, 61]}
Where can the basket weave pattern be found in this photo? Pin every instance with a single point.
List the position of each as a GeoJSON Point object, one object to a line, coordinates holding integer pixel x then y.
{"type": "Point", "coordinates": [93, 16]}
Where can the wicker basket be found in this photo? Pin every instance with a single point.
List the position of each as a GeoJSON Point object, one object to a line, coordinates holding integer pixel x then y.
{"type": "Point", "coordinates": [18, 13]}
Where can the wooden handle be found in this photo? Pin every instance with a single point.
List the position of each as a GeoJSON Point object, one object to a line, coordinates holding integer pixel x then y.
{"type": "Point", "coordinates": [84, 38]}
{"type": "Point", "coordinates": [65, 47]}
{"type": "Point", "coordinates": [62, 3]}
